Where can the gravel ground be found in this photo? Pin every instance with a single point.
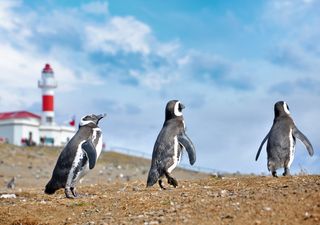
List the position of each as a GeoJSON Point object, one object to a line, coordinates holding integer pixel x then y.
{"type": "Point", "coordinates": [110, 198]}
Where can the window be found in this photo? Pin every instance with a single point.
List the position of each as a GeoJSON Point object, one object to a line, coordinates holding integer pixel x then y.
{"type": "Point", "coordinates": [49, 119]}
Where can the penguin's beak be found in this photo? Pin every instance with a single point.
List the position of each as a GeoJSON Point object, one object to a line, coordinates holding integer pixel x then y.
{"type": "Point", "coordinates": [181, 106]}
{"type": "Point", "coordinates": [101, 116]}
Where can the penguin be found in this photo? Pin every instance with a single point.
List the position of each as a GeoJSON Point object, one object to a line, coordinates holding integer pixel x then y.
{"type": "Point", "coordinates": [282, 139]}
{"type": "Point", "coordinates": [77, 157]}
{"type": "Point", "coordinates": [168, 147]}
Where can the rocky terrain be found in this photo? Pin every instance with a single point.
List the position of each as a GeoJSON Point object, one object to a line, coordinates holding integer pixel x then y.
{"type": "Point", "coordinates": [115, 193]}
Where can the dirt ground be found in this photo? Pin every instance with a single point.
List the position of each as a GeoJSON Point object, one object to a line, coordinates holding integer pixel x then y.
{"type": "Point", "coordinates": [107, 197]}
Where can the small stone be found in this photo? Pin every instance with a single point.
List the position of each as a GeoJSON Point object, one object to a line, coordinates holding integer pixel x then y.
{"type": "Point", "coordinates": [135, 189]}
{"type": "Point", "coordinates": [267, 209]}
{"type": "Point", "coordinates": [8, 196]}
{"type": "Point", "coordinates": [307, 215]}
{"type": "Point", "coordinates": [223, 193]}
{"type": "Point", "coordinates": [227, 217]}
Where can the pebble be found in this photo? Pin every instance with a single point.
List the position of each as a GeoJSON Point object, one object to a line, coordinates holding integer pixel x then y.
{"type": "Point", "coordinates": [151, 222]}
{"type": "Point", "coordinates": [223, 193]}
{"type": "Point", "coordinates": [267, 209]}
{"type": "Point", "coordinates": [307, 215]}
{"type": "Point", "coordinates": [8, 196]}
{"type": "Point", "coordinates": [257, 222]}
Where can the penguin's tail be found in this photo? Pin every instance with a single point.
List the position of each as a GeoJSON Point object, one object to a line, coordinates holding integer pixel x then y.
{"type": "Point", "coordinates": [51, 188]}
{"type": "Point", "coordinates": [153, 177]}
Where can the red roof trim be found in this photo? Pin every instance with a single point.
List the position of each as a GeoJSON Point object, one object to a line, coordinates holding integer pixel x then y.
{"type": "Point", "coordinates": [18, 115]}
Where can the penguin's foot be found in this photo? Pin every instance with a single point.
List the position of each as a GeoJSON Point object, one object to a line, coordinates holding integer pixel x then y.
{"type": "Point", "coordinates": [274, 174]}
{"type": "Point", "coordinates": [286, 172]}
{"type": "Point", "coordinates": [68, 192]}
{"type": "Point", "coordinates": [73, 191]}
{"type": "Point", "coordinates": [172, 181]}
{"type": "Point", "coordinates": [160, 184]}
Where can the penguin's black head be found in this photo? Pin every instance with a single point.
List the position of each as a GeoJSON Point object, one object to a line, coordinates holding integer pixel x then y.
{"type": "Point", "coordinates": [174, 109]}
{"type": "Point", "coordinates": [91, 119]}
{"type": "Point", "coordinates": [281, 108]}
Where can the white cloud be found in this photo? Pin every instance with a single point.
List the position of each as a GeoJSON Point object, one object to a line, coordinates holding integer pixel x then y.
{"type": "Point", "coordinates": [96, 7]}
{"type": "Point", "coordinates": [8, 21]}
{"type": "Point", "coordinates": [155, 79]}
{"type": "Point", "coordinates": [119, 34]}
{"type": "Point", "coordinates": [291, 12]}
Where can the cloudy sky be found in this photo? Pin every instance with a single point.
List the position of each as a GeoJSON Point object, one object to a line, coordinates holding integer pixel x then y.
{"type": "Point", "coordinates": [227, 61]}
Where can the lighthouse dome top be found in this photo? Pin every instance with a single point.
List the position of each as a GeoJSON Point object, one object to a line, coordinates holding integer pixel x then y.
{"type": "Point", "coordinates": [47, 80]}
{"type": "Point", "coordinates": [47, 69]}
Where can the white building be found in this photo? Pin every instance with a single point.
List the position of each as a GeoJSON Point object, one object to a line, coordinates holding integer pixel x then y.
{"type": "Point", "coordinates": [26, 128]}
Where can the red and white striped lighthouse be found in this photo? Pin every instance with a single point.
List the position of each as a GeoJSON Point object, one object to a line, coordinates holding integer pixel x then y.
{"type": "Point", "coordinates": [47, 84]}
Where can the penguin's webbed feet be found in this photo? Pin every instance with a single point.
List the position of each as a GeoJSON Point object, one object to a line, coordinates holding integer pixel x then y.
{"type": "Point", "coordinates": [160, 184]}
{"type": "Point", "coordinates": [70, 192]}
{"type": "Point", "coordinates": [286, 172]}
{"type": "Point", "coordinates": [173, 182]}
{"type": "Point", "coordinates": [73, 191]}
{"type": "Point", "coordinates": [274, 174]}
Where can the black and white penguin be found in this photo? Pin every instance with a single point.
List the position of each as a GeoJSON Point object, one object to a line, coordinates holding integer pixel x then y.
{"type": "Point", "coordinates": [78, 156]}
{"type": "Point", "coordinates": [282, 140]}
{"type": "Point", "coordinates": [167, 150]}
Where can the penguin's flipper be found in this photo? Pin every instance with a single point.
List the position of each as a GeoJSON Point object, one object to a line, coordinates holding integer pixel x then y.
{"type": "Point", "coordinates": [262, 143]}
{"type": "Point", "coordinates": [298, 134]}
{"type": "Point", "coordinates": [185, 141]}
{"type": "Point", "coordinates": [89, 148]}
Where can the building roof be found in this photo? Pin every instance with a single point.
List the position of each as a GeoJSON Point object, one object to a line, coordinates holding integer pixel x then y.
{"type": "Point", "coordinates": [18, 115]}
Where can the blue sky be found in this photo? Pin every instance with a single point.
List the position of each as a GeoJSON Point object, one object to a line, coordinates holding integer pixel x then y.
{"type": "Point", "coordinates": [227, 61]}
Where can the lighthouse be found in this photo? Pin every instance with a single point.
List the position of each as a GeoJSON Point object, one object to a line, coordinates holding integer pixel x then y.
{"type": "Point", "coordinates": [47, 83]}
{"type": "Point", "coordinates": [27, 128]}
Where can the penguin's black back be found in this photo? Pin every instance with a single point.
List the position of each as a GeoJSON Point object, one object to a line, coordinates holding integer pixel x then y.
{"type": "Point", "coordinates": [163, 149]}
{"type": "Point", "coordinates": [278, 146]}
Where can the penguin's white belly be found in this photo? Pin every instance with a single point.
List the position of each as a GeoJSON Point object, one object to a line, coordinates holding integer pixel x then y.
{"type": "Point", "coordinates": [99, 144]}
{"type": "Point", "coordinates": [291, 148]}
{"type": "Point", "coordinates": [77, 171]}
{"type": "Point", "coordinates": [75, 175]}
{"type": "Point", "coordinates": [176, 157]}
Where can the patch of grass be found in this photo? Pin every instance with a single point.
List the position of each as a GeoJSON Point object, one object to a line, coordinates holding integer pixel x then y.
{"type": "Point", "coordinates": [76, 204]}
